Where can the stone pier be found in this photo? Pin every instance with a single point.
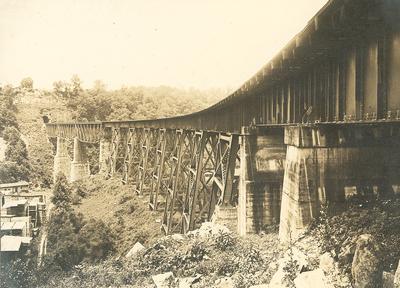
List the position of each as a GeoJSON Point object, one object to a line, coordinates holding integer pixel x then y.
{"type": "Point", "coordinates": [62, 162]}
{"type": "Point", "coordinates": [262, 154]}
{"type": "Point", "coordinates": [80, 165]}
{"type": "Point", "coordinates": [327, 164]}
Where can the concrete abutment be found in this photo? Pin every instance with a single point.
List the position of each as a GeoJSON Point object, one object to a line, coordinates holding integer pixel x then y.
{"type": "Point", "coordinates": [262, 154]}
{"type": "Point", "coordinates": [325, 165]}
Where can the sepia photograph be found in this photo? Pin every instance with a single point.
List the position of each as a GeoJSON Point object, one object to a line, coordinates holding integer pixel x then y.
{"type": "Point", "coordinates": [200, 144]}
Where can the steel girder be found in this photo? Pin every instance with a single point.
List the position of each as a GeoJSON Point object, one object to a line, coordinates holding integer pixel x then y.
{"type": "Point", "coordinates": [185, 172]}
{"type": "Point", "coordinates": [90, 132]}
{"type": "Point", "coordinates": [202, 177]}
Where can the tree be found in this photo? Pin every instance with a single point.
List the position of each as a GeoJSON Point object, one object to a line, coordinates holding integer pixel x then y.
{"type": "Point", "coordinates": [62, 197]}
{"type": "Point", "coordinates": [27, 83]}
{"type": "Point", "coordinates": [7, 118]}
{"type": "Point", "coordinates": [7, 97]}
{"type": "Point", "coordinates": [12, 172]}
{"type": "Point", "coordinates": [76, 88]}
{"type": "Point", "coordinates": [16, 150]}
{"type": "Point", "coordinates": [64, 248]}
{"type": "Point", "coordinates": [99, 87]}
{"type": "Point", "coordinates": [97, 240]}
{"type": "Point", "coordinates": [61, 89]}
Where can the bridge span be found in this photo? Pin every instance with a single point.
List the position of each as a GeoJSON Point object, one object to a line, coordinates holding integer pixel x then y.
{"type": "Point", "coordinates": [319, 123]}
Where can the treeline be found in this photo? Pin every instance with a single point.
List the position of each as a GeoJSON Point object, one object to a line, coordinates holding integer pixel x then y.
{"type": "Point", "coordinates": [71, 240]}
{"type": "Point", "coordinates": [138, 102]}
{"type": "Point", "coordinates": [15, 166]}
{"type": "Point", "coordinates": [94, 104]}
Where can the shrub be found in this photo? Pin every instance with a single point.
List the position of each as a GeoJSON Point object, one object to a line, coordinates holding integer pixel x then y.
{"type": "Point", "coordinates": [61, 192]}
{"type": "Point", "coordinates": [63, 245]}
{"type": "Point", "coordinates": [96, 239]}
{"type": "Point", "coordinates": [225, 241]}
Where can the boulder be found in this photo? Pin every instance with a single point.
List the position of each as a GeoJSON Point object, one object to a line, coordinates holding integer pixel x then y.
{"type": "Point", "coordinates": [188, 281]}
{"type": "Point", "coordinates": [177, 237]}
{"type": "Point", "coordinates": [292, 257]}
{"type": "Point", "coordinates": [346, 253]}
{"type": "Point", "coordinates": [165, 280]}
{"type": "Point", "coordinates": [366, 267]}
{"type": "Point", "coordinates": [279, 279]}
{"type": "Point", "coordinates": [135, 250]}
{"type": "Point", "coordinates": [387, 280]}
{"type": "Point", "coordinates": [326, 263]}
{"type": "Point", "coordinates": [297, 256]}
{"type": "Point", "coordinates": [315, 278]}
{"type": "Point", "coordinates": [208, 229]}
{"type": "Point", "coordinates": [397, 277]}
{"type": "Point", "coordinates": [226, 282]}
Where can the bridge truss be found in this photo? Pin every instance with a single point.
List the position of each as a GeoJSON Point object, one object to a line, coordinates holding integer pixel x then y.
{"type": "Point", "coordinates": [184, 173]}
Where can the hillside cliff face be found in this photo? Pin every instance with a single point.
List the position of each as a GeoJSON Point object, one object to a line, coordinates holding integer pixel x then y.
{"type": "Point", "coordinates": [31, 108]}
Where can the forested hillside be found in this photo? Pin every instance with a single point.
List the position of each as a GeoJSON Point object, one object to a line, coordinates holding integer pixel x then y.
{"type": "Point", "coordinates": [23, 109]}
{"type": "Point", "coordinates": [136, 102]}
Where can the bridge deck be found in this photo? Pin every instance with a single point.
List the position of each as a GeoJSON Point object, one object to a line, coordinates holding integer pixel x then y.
{"type": "Point", "coordinates": [342, 68]}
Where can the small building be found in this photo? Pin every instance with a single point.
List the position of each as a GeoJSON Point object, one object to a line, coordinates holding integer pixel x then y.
{"type": "Point", "coordinates": [17, 187]}
{"type": "Point", "coordinates": [18, 208]}
{"type": "Point", "coordinates": [17, 226]}
{"type": "Point", "coordinates": [14, 228]}
{"type": "Point", "coordinates": [13, 246]}
{"type": "Point", "coordinates": [36, 205]}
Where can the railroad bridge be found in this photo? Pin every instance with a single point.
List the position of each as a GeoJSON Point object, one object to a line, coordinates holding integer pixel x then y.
{"type": "Point", "coordinates": [317, 124]}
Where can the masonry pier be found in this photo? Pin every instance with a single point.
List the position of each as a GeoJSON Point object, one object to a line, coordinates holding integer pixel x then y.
{"type": "Point", "coordinates": [262, 157]}
{"type": "Point", "coordinates": [80, 164]}
{"type": "Point", "coordinates": [62, 161]}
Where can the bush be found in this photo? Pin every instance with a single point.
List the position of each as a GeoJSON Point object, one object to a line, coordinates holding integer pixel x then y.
{"type": "Point", "coordinates": [225, 241]}
{"type": "Point", "coordinates": [96, 239]}
{"type": "Point", "coordinates": [70, 239]}
{"type": "Point", "coordinates": [378, 217]}
{"type": "Point", "coordinates": [12, 172]}
{"type": "Point", "coordinates": [17, 273]}
{"type": "Point", "coordinates": [61, 192]}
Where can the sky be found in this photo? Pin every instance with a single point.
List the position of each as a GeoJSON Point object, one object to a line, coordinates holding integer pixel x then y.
{"type": "Point", "coordinates": [183, 43]}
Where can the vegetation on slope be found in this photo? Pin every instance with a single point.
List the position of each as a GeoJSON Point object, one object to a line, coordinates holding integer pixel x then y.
{"type": "Point", "coordinates": [376, 216]}
{"type": "Point", "coordinates": [127, 215]}
{"type": "Point", "coordinates": [137, 102]}
{"type": "Point", "coordinates": [15, 165]}
{"type": "Point", "coordinates": [26, 108]}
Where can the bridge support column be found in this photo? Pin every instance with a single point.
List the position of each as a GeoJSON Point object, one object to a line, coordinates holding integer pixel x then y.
{"type": "Point", "coordinates": [62, 162]}
{"type": "Point", "coordinates": [80, 165]}
{"type": "Point", "coordinates": [325, 165]}
{"type": "Point", "coordinates": [262, 154]}
{"type": "Point", "coordinates": [104, 155]}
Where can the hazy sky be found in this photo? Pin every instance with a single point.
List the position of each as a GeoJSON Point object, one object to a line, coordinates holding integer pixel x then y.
{"type": "Point", "coordinates": [184, 43]}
